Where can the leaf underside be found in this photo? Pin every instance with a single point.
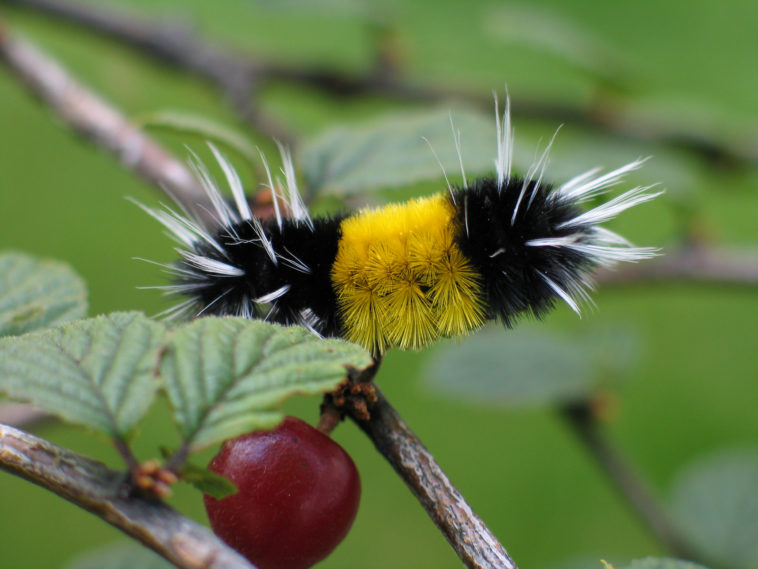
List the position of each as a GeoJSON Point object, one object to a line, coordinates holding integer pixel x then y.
{"type": "Point", "coordinates": [392, 152]}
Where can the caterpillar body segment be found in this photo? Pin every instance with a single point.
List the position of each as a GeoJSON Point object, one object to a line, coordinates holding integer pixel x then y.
{"type": "Point", "coordinates": [406, 274]}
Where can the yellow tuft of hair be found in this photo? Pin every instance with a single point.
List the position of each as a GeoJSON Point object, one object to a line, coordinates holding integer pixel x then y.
{"type": "Point", "coordinates": [400, 278]}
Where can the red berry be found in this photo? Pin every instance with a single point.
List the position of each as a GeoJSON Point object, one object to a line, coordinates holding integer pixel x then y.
{"type": "Point", "coordinates": [298, 495]}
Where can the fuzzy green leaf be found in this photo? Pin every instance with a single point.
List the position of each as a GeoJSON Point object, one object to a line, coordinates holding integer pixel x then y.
{"type": "Point", "coordinates": [99, 372]}
{"type": "Point", "coordinates": [392, 152]}
{"type": "Point", "coordinates": [36, 293]}
{"type": "Point", "coordinates": [529, 366]}
{"type": "Point", "coordinates": [226, 376]}
{"type": "Point", "coordinates": [715, 500]}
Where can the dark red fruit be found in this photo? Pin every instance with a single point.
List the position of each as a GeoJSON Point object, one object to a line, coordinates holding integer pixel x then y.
{"type": "Point", "coordinates": [298, 495]}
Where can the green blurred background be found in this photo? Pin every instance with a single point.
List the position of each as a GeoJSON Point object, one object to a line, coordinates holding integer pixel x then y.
{"type": "Point", "coordinates": [692, 389]}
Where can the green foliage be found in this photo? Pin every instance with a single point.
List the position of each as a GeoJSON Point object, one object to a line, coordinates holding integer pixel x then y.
{"type": "Point", "coordinates": [716, 503]}
{"type": "Point", "coordinates": [391, 152]}
{"type": "Point", "coordinates": [35, 293]}
{"type": "Point", "coordinates": [530, 366]}
{"type": "Point", "coordinates": [225, 375]}
{"type": "Point", "coordinates": [695, 389]}
{"type": "Point", "coordinates": [99, 372]}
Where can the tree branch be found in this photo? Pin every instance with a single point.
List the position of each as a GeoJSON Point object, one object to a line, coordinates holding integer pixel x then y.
{"type": "Point", "coordinates": [637, 495]}
{"type": "Point", "coordinates": [88, 115]}
{"type": "Point", "coordinates": [94, 487]}
{"type": "Point", "coordinates": [176, 44]}
{"type": "Point", "coordinates": [240, 76]}
{"type": "Point", "coordinates": [469, 536]}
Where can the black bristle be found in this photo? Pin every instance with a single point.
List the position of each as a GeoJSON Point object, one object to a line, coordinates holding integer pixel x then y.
{"type": "Point", "coordinates": [497, 248]}
{"type": "Point", "coordinates": [295, 243]}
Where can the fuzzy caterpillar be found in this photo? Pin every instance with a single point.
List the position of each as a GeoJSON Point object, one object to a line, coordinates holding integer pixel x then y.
{"type": "Point", "coordinates": [403, 275]}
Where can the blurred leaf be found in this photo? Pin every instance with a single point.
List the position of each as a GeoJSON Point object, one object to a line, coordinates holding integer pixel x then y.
{"type": "Point", "coordinates": [529, 366]}
{"type": "Point", "coordinates": [552, 33]}
{"type": "Point", "coordinates": [662, 563]}
{"type": "Point", "coordinates": [577, 150]}
{"type": "Point", "coordinates": [715, 500]}
{"type": "Point", "coordinates": [98, 372]}
{"type": "Point", "coordinates": [363, 10]}
{"type": "Point", "coordinates": [208, 482]}
{"type": "Point", "coordinates": [204, 128]}
{"type": "Point", "coordinates": [705, 124]}
{"type": "Point", "coordinates": [392, 152]}
{"type": "Point", "coordinates": [120, 556]}
{"type": "Point", "coordinates": [36, 293]}
{"type": "Point", "coordinates": [227, 376]}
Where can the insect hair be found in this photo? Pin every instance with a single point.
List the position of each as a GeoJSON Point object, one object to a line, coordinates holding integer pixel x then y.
{"type": "Point", "coordinates": [404, 274]}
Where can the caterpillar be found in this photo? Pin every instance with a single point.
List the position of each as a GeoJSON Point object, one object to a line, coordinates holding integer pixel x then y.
{"type": "Point", "coordinates": [405, 274]}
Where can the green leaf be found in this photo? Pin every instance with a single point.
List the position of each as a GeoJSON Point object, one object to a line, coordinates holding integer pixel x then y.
{"type": "Point", "coordinates": [547, 31]}
{"type": "Point", "coordinates": [227, 376]}
{"type": "Point", "coordinates": [715, 499]}
{"type": "Point", "coordinates": [392, 152]}
{"type": "Point", "coordinates": [208, 482]}
{"type": "Point", "coordinates": [99, 372]}
{"type": "Point", "coordinates": [529, 366]}
{"type": "Point", "coordinates": [662, 563]}
{"type": "Point", "coordinates": [204, 128]}
{"type": "Point", "coordinates": [203, 479]}
{"type": "Point", "coordinates": [120, 556]}
{"type": "Point", "coordinates": [36, 293]}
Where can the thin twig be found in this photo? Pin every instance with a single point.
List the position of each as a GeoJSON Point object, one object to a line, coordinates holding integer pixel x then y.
{"type": "Point", "coordinates": [240, 76]}
{"type": "Point", "coordinates": [469, 536]}
{"type": "Point", "coordinates": [94, 487]}
{"type": "Point", "coordinates": [87, 114]}
{"type": "Point", "coordinates": [176, 44]}
{"type": "Point", "coordinates": [132, 462]}
{"type": "Point", "coordinates": [637, 495]}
